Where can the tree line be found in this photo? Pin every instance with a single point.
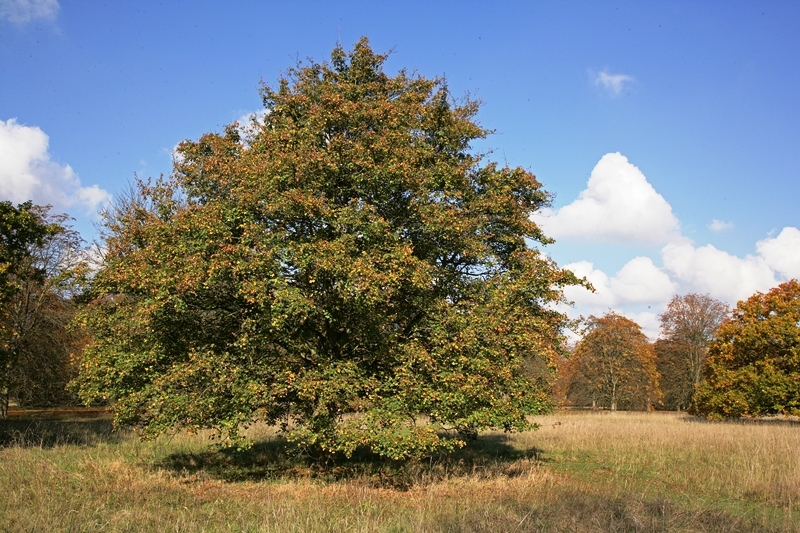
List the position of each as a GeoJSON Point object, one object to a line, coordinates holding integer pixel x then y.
{"type": "Point", "coordinates": [615, 366]}
{"type": "Point", "coordinates": [709, 359]}
{"type": "Point", "coordinates": [349, 269]}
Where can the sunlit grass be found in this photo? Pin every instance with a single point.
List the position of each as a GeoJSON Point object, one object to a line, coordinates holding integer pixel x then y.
{"type": "Point", "coordinates": [580, 472]}
{"type": "Point", "coordinates": [752, 461]}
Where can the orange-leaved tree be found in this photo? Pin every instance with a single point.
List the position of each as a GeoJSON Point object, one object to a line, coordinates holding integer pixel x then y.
{"type": "Point", "coordinates": [753, 366]}
{"type": "Point", "coordinates": [613, 366]}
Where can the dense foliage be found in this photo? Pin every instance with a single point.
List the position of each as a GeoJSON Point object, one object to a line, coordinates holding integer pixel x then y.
{"type": "Point", "coordinates": [613, 366]}
{"type": "Point", "coordinates": [345, 266]}
{"type": "Point", "coordinates": [753, 367]}
{"type": "Point", "coordinates": [41, 269]}
{"type": "Point", "coordinates": [688, 326]}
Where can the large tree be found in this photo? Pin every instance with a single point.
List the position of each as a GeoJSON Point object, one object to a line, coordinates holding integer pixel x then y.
{"type": "Point", "coordinates": [613, 366]}
{"type": "Point", "coordinates": [753, 366]}
{"type": "Point", "coordinates": [346, 266]}
{"type": "Point", "coordinates": [41, 269]}
{"type": "Point", "coordinates": [688, 326]}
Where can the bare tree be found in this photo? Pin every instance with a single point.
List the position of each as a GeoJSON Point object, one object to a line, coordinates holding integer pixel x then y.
{"type": "Point", "coordinates": [688, 326]}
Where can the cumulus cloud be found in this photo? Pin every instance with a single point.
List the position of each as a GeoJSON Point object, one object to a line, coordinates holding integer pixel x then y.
{"type": "Point", "coordinates": [601, 297]}
{"type": "Point", "coordinates": [782, 253]}
{"type": "Point", "coordinates": [642, 282]}
{"type": "Point", "coordinates": [638, 282]}
{"type": "Point", "coordinates": [24, 11]}
{"type": "Point", "coordinates": [618, 205]}
{"type": "Point", "coordinates": [719, 225]}
{"type": "Point", "coordinates": [707, 269]}
{"type": "Point", "coordinates": [612, 83]}
{"type": "Point", "coordinates": [27, 173]}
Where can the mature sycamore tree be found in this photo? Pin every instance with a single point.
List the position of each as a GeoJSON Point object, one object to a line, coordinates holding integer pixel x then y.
{"type": "Point", "coordinates": [753, 366]}
{"type": "Point", "coordinates": [688, 326]}
{"type": "Point", "coordinates": [613, 366]}
{"type": "Point", "coordinates": [346, 267]}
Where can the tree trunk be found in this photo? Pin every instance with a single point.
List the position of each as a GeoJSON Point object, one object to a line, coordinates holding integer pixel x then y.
{"type": "Point", "coordinates": [4, 404]}
{"type": "Point", "coordinates": [614, 395]}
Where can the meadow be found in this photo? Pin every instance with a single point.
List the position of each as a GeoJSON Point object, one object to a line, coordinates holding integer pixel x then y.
{"type": "Point", "coordinates": [581, 471]}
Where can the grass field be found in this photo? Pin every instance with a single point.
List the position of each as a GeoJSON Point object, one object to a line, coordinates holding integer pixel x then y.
{"type": "Point", "coordinates": [581, 471]}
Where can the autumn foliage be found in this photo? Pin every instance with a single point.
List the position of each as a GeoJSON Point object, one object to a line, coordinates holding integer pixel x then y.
{"type": "Point", "coordinates": [688, 327]}
{"type": "Point", "coordinates": [613, 366]}
{"type": "Point", "coordinates": [753, 367]}
{"type": "Point", "coordinates": [41, 271]}
{"type": "Point", "coordinates": [346, 267]}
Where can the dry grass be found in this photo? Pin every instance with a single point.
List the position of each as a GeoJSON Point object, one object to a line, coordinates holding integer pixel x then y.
{"type": "Point", "coordinates": [752, 461]}
{"type": "Point", "coordinates": [592, 472]}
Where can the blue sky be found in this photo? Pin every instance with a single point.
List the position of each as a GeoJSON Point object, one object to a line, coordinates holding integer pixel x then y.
{"type": "Point", "coordinates": [685, 115]}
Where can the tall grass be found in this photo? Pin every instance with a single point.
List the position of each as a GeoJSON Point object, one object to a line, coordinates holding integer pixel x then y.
{"type": "Point", "coordinates": [748, 461]}
{"type": "Point", "coordinates": [580, 472]}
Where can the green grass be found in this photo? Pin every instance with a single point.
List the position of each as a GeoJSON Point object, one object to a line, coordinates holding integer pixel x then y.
{"type": "Point", "coordinates": [580, 472]}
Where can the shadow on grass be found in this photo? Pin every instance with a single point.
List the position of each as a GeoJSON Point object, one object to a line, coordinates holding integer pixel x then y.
{"type": "Point", "coordinates": [28, 431]}
{"type": "Point", "coordinates": [772, 421]}
{"type": "Point", "coordinates": [487, 457]}
{"type": "Point", "coordinates": [568, 509]}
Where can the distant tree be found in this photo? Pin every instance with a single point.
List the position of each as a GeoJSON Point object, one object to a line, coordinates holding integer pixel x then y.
{"type": "Point", "coordinates": [613, 366]}
{"type": "Point", "coordinates": [40, 270]}
{"type": "Point", "coordinates": [753, 366]}
{"type": "Point", "coordinates": [671, 364]}
{"type": "Point", "coordinates": [347, 267]}
{"type": "Point", "coordinates": [688, 326]}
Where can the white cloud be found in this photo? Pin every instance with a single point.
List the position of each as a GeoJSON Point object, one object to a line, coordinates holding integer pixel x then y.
{"type": "Point", "coordinates": [613, 83]}
{"type": "Point", "coordinates": [719, 225]}
{"type": "Point", "coordinates": [638, 282]}
{"type": "Point", "coordinates": [782, 253]}
{"type": "Point", "coordinates": [618, 205]}
{"type": "Point", "coordinates": [642, 282]}
{"type": "Point", "coordinates": [601, 297]}
{"type": "Point", "coordinates": [687, 268]}
{"type": "Point", "coordinates": [27, 173]}
{"type": "Point", "coordinates": [718, 273]}
{"type": "Point", "coordinates": [648, 321]}
{"type": "Point", "coordinates": [24, 11]}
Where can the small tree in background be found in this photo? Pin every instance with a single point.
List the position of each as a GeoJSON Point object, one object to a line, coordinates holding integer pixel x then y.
{"type": "Point", "coordinates": [753, 366]}
{"type": "Point", "coordinates": [347, 268]}
{"type": "Point", "coordinates": [688, 326]}
{"type": "Point", "coordinates": [613, 366]}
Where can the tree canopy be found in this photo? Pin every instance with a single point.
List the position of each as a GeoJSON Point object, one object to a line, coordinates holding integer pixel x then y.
{"type": "Point", "coordinates": [613, 366]}
{"type": "Point", "coordinates": [40, 270]}
{"type": "Point", "coordinates": [753, 366]}
{"type": "Point", "coordinates": [345, 266]}
{"type": "Point", "coordinates": [688, 326]}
